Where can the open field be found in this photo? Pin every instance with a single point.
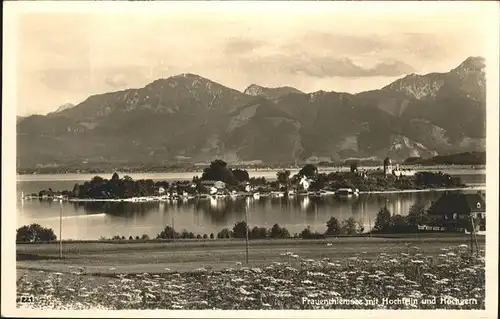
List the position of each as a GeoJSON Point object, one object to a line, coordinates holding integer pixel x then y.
{"type": "Point", "coordinates": [352, 273]}
{"type": "Point", "coordinates": [186, 255]}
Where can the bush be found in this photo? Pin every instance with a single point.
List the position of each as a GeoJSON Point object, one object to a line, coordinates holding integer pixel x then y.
{"type": "Point", "coordinates": [398, 224]}
{"type": "Point", "coordinates": [258, 233]}
{"type": "Point", "coordinates": [349, 226]}
{"type": "Point", "coordinates": [187, 235]}
{"type": "Point", "coordinates": [278, 232]}
{"type": "Point", "coordinates": [168, 233]}
{"type": "Point", "coordinates": [225, 233]}
{"type": "Point", "coordinates": [307, 234]}
{"type": "Point", "coordinates": [35, 233]}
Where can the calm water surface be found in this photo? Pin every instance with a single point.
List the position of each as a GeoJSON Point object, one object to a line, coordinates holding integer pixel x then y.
{"type": "Point", "coordinates": [92, 220]}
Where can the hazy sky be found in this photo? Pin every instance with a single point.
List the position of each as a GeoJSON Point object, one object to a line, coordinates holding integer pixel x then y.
{"type": "Point", "coordinates": [65, 57]}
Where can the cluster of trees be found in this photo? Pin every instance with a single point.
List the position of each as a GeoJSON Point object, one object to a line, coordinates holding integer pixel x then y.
{"type": "Point", "coordinates": [218, 171]}
{"type": "Point", "coordinates": [35, 233]}
{"type": "Point", "coordinates": [118, 237]}
{"type": "Point", "coordinates": [439, 179]}
{"type": "Point", "coordinates": [239, 230]}
{"type": "Point", "coordinates": [388, 223]}
{"type": "Point", "coordinates": [169, 233]}
{"type": "Point", "coordinates": [370, 182]}
{"type": "Point", "coordinates": [334, 228]}
{"type": "Point", "coordinates": [116, 187]}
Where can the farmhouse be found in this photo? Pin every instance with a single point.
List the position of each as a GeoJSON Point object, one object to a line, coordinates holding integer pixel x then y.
{"type": "Point", "coordinates": [454, 210]}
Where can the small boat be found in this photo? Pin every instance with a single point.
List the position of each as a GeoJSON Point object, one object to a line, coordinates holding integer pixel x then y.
{"type": "Point", "coordinates": [317, 194]}
{"type": "Point", "coordinates": [256, 195]}
{"type": "Point", "coordinates": [346, 192]}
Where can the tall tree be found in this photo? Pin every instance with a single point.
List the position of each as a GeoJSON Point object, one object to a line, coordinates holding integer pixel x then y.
{"type": "Point", "coordinates": [241, 175]}
{"type": "Point", "coordinates": [383, 221]}
{"type": "Point", "coordinates": [309, 171]}
{"type": "Point", "coordinates": [417, 215]}
{"type": "Point", "coordinates": [240, 229]}
{"type": "Point", "coordinates": [278, 232]}
{"type": "Point", "coordinates": [168, 233]}
{"type": "Point", "coordinates": [332, 226]}
{"type": "Point", "coordinates": [283, 177]}
{"type": "Point", "coordinates": [35, 233]}
{"type": "Point", "coordinates": [218, 171]}
{"type": "Point", "coordinates": [349, 226]}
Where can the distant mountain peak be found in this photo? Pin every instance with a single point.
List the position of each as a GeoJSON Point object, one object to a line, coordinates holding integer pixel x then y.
{"type": "Point", "coordinates": [268, 92]}
{"type": "Point", "coordinates": [254, 89]}
{"type": "Point", "coordinates": [190, 76]}
{"type": "Point", "coordinates": [473, 62]}
{"type": "Point", "coordinates": [470, 71]}
{"type": "Point", "coordinates": [63, 107]}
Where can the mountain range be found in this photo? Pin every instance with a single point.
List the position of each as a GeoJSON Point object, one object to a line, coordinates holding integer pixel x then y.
{"type": "Point", "coordinates": [193, 119]}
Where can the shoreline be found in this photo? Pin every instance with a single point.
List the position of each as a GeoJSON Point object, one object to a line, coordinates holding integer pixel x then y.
{"type": "Point", "coordinates": [245, 195]}
{"type": "Point", "coordinates": [474, 187]}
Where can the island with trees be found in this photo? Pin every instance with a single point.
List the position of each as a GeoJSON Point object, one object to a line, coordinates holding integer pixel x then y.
{"type": "Point", "coordinates": [219, 180]}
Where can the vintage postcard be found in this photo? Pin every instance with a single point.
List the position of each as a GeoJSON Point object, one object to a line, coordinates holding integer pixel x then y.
{"type": "Point", "coordinates": [250, 159]}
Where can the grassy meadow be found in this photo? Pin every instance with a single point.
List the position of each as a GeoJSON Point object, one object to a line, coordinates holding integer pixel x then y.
{"type": "Point", "coordinates": [340, 273]}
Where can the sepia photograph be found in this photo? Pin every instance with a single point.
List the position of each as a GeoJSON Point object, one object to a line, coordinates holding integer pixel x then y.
{"type": "Point", "coordinates": [326, 157]}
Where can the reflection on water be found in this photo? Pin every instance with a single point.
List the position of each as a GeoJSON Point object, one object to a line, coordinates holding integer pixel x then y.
{"type": "Point", "coordinates": [207, 216]}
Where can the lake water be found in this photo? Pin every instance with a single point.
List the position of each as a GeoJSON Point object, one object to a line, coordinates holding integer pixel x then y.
{"type": "Point", "coordinates": [92, 220]}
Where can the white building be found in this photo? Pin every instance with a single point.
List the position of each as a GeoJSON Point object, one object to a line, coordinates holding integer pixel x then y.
{"type": "Point", "coordinates": [305, 183]}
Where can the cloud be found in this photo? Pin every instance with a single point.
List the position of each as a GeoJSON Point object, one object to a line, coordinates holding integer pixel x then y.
{"type": "Point", "coordinates": [322, 67]}
{"type": "Point", "coordinates": [116, 81]}
{"type": "Point", "coordinates": [241, 45]}
{"type": "Point", "coordinates": [342, 43]}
